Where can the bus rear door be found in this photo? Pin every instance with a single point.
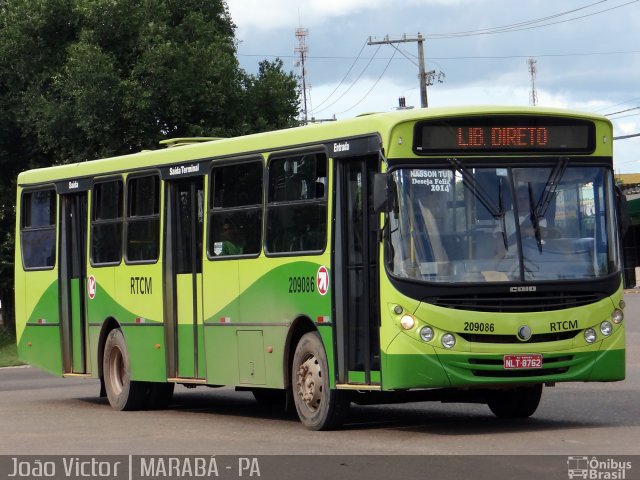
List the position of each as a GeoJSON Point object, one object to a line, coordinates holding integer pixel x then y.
{"type": "Point", "coordinates": [72, 280]}
{"type": "Point", "coordinates": [183, 278]}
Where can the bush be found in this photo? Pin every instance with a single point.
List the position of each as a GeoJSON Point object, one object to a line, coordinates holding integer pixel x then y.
{"type": "Point", "coordinates": [8, 349]}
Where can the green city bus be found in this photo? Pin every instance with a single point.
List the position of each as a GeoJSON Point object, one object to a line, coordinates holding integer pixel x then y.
{"type": "Point", "coordinates": [458, 255]}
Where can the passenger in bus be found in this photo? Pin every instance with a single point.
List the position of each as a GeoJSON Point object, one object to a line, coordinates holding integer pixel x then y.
{"type": "Point", "coordinates": [231, 242]}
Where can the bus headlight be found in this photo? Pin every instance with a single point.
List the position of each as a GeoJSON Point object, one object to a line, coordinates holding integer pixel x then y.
{"type": "Point", "coordinates": [426, 334]}
{"type": "Point", "coordinates": [590, 335]}
{"type": "Point", "coordinates": [606, 328]}
{"type": "Point", "coordinates": [407, 322]}
{"type": "Point", "coordinates": [448, 340]}
{"type": "Point", "coordinates": [617, 316]}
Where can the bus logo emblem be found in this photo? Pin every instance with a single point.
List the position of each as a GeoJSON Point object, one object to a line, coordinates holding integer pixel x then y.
{"type": "Point", "coordinates": [91, 287]}
{"type": "Point", "coordinates": [322, 280]}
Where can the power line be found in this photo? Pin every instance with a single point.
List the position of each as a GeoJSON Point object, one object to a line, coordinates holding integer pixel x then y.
{"type": "Point", "coordinates": [627, 136]}
{"type": "Point", "coordinates": [343, 78]}
{"type": "Point", "coordinates": [425, 77]}
{"type": "Point", "coordinates": [625, 116]}
{"type": "Point", "coordinates": [618, 104]}
{"type": "Point", "coordinates": [621, 111]}
{"type": "Point", "coordinates": [371, 89]}
{"type": "Point", "coordinates": [405, 55]}
{"type": "Point", "coordinates": [502, 28]}
{"type": "Point", "coordinates": [464, 57]}
{"type": "Point", "coordinates": [350, 87]}
{"type": "Point", "coordinates": [517, 27]}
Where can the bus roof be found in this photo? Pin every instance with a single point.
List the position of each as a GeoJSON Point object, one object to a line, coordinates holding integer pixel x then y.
{"type": "Point", "coordinates": [377, 123]}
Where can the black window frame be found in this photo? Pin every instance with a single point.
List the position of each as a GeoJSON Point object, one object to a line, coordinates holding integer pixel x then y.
{"type": "Point", "coordinates": [227, 213]}
{"type": "Point", "coordinates": [24, 228]}
{"type": "Point", "coordinates": [130, 219]}
{"type": "Point", "coordinates": [275, 205]}
{"type": "Point", "coordinates": [108, 221]}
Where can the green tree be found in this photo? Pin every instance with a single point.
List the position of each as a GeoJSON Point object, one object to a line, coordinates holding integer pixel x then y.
{"type": "Point", "coordinates": [269, 103]}
{"type": "Point", "coordinates": [85, 79]}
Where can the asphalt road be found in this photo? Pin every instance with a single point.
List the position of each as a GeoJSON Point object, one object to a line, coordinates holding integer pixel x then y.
{"type": "Point", "coordinates": [40, 414]}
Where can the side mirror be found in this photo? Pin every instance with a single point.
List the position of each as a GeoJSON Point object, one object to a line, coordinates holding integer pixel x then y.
{"type": "Point", "coordinates": [380, 192]}
{"type": "Point", "coordinates": [624, 220]}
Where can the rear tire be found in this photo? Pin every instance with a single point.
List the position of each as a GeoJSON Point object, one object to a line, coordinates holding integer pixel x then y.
{"type": "Point", "coordinates": [318, 406]}
{"type": "Point", "coordinates": [122, 392]}
{"type": "Point", "coordinates": [520, 402]}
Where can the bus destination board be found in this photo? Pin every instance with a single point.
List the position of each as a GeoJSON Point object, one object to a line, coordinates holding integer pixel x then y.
{"type": "Point", "coordinates": [504, 135]}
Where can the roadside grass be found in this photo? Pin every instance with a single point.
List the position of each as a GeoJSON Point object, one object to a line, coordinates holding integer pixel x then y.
{"type": "Point", "coordinates": [8, 349]}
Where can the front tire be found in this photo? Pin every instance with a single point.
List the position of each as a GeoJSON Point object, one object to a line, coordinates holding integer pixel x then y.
{"type": "Point", "coordinates": [122, 392]}
{"type": "Point", "coordinates": [520, 402]}
{"type": "Point", "coordinates": [318, 406]}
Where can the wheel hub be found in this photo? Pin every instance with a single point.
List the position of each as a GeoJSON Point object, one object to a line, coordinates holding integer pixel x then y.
{"type": "Point", "coordinates": [310, 383]}
{"type": "Point", "coordinates": [116, 367]}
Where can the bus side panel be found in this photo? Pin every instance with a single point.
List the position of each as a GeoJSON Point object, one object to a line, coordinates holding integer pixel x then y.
{"type": "Point", "coordinates": [36, 308]}
{"type": "Point", "coordinates": [139, 294]}
{"type": "Point", "coordinates": [221, 315]}
{"type": "Point", "coordinates": [273, 292]}
{"type": "Point", "coordinates": [99, 308]}
{"type": "Point", "coordinates": [38, 325]}
{"type": "Point", "coordinates": [145, 344]}
{"type": "Point", "coordinates": [277, 291]}
{"type": "Point", "coordinates": [143, 333]}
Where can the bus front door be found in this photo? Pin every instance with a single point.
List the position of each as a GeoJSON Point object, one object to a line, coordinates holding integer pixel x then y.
{"type": "Point", "coordinates": [72, 280]}
{"type": "Point", "coordinates": [183, 278]}
{"type": "Point", "coordinates": [356, 273]}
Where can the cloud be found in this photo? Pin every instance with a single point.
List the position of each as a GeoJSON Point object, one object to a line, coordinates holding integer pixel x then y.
{"type": "Point", "coordinates": [275, 14]}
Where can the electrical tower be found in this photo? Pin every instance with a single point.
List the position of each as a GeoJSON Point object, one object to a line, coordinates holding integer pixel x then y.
{"type": "Point", "coordinates": [301, 50]}
{"type": "Point", "coordinates": [426, 78]}
{"type": "Point", "coordinates": [533, 96]}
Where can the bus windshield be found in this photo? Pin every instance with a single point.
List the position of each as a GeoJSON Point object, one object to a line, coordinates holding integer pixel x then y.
{"type": "Point", "coordinates": [467, 224]}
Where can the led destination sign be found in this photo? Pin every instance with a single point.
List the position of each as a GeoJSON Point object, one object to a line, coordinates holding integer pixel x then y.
{"type": "Point", "coordinates": [504, 135]}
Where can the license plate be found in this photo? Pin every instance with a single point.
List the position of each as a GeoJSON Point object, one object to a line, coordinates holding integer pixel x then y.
{"type": "Point", "coordinates": [521, 361]}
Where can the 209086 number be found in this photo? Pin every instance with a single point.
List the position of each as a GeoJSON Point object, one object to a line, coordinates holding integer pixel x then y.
{"type": "Point", "coordinates": [302, 284]}
{"type": "Point", "coordinates": [478, 327]}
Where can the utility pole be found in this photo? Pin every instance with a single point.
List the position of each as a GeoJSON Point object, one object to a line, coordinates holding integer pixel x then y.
{"type": "Point", "coordinates": [301, 49]}
{"type": "Point", "coordinates": [422, 75]}
{"type": "Point", "coordinates": [426, 78]}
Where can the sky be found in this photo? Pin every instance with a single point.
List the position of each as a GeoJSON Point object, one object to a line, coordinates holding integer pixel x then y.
{"type": "Point", "coordinates": [586, 52]}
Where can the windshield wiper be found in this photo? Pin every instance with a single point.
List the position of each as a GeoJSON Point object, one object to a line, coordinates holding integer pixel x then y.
{"type": "Point", "coordinates": [535, 220]}
{"type": "Point", "coordinates": [503, 225]}
{"type": "Point", "coordinates": [539, 210]}
{"type": "Point", "coordinates": [497, 212]}
{"type": "Point", "coordinates": [550, 188]}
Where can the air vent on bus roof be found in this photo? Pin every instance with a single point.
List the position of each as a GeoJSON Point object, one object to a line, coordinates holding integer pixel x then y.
{"type": "Point", "coordinates": [180, 142]}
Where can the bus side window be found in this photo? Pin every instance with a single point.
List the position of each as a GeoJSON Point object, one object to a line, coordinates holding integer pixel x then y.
{"type": "Point", "coordinates": [297, 204]}
{"type": "Point", "coordinates": [38, 229]}
{"type": "Point", "coordinates": [235, 210]}
{"type": "Point", "coordinates": [106, 222]}
{"type": "Point", "coordinates": [143, 219]}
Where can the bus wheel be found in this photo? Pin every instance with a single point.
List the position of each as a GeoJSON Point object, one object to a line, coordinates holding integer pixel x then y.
{"type": "Point", "coordinates": [318, 407]}
{"type": "Point", "coordinates": [122, 392]}
{"type": "Point", "coordinates": [519, 402]}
